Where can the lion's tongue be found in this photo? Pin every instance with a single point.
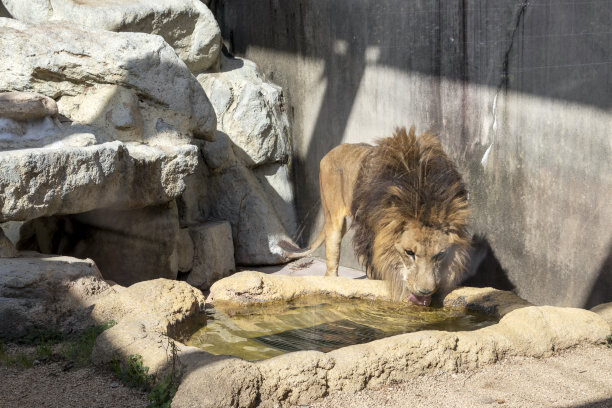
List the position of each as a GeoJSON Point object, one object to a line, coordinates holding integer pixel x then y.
{"type": "Point", "coordinates": [420, 300]}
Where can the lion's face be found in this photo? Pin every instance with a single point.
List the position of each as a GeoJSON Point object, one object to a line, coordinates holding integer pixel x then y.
{"type": "Point", "coordinates": [417, 261]}
{"type": "Point", "coordinates": [424, 254]}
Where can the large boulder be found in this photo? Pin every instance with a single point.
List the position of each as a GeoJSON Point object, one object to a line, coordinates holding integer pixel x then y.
{"type": "Point", "coordinates": [52, 291]}
{"type": "Point", "coordinates": [224, 188]}
{"type": "Point", "coordinates": [102, 68]}
{"type": "Point", "coordinates": [256, 226]}
{"type": "Point", "coordinates": [252, 148]}
{"type": "Point", "coordinates": [145, 312]}
{"type": "Point", "coordinates": [187, 25]}
{"type": "Point", "coordinates": [250, 110]}
{"type": "Point", "coordinates": [40, 182]}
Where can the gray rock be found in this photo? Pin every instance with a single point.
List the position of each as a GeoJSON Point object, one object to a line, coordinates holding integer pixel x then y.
{"type": "Point", "coordinates": [185, 250]}
{"type": "Point", "coordinates": [55, 292]}
{"type": "Point", "coordinates": [214, 254]}
{"type": "Point", "coordinates": [7, 248]}
{"type": "Point", "coordinates": [66, 62]}
{"type": "Point", "coordinates": [41, 182]}
{"type": "Point", "coordinates": [256, 227]}
{"type": "Point", "coordinates": [187, 25]}
{"type": "Point", "coordinates": [249, 110]}
{"type": "Point", "coordinates": [26, 105]}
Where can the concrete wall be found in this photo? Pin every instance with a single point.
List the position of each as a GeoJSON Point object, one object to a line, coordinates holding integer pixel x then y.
{"type": "Point", "coordinates": [520, 94]}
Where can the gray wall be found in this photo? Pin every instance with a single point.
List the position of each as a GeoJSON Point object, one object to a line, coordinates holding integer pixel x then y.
{"type": "Point", "coordinates": [520, 94]}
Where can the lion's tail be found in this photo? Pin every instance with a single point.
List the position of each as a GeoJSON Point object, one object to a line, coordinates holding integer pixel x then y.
{"type": "Point", "coordinates": [294, 252]}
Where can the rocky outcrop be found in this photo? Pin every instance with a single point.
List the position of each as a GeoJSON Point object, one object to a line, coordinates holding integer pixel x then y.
{"type": "Point", "coordinates": [250, 110]}
{"type": "Point", "coordinates": [99, 119]}
{"type": "Point", "coordinates": [71, 65]}
{"type": "Point", "coordinates": [144, 313]}
{"type": "Point", "coordinates": [250, 287]}
{"type": "Point", "coordinates": [188, 26]}
{"type": "Point", "coordinates": [256, 153]}
{"type": "Point", "coordinates": [40, 182]}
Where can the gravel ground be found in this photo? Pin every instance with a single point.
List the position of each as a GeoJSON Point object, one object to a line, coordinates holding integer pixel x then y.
{"type": "Point", "coordinates": [577, 378]}
{"type": "Point", "coordinates": [49, 385]}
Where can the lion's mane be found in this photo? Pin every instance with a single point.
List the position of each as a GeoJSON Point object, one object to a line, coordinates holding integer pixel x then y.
{"type": "Point", "coordinates": [407, 178]}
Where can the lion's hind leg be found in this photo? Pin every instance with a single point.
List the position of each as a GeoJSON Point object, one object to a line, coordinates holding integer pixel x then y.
{"type": "Point", "coordinates": [334, 231]}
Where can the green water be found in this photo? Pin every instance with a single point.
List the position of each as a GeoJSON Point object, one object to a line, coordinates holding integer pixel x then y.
{"type": "Point", "coordinates": [266, 331]}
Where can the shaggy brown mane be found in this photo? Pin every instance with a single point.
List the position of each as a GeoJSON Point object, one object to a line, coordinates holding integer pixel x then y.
{"type": "Point", "coordinates": [405, 179]}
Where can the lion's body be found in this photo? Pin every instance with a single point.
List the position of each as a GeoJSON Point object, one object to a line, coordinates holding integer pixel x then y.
{"type": "Point", "coordinates": [409, 209]}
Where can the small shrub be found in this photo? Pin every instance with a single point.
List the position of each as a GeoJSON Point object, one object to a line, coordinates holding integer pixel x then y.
{"type": "Point", "coordinates": [133, 373]}
{"type": "Point", "coordinates": [43, 352]}
{"type": "Point", "coordinates": [79, 348]}
{"type": "Point", "coordinates": [162, 393]}
{"type": "Point", "coordinates": [609, 340]}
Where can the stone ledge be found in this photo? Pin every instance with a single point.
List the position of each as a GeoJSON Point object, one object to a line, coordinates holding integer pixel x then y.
{"type": "Point", "coordinates": [45, 181]}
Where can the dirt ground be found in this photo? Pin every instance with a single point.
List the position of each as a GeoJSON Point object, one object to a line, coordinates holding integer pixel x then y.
{"type": "Point", "coordinates": [581, 377]}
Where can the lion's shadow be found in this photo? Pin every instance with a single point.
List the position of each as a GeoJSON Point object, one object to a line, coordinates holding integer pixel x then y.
{"type": "Point", "coordinates": [484, 269]}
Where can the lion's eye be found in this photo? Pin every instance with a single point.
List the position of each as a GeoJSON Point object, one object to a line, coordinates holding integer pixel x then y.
{"type": "Point", "coordinates": [409, 253]}
{"type": "Point", "coordinates": [439, 256]}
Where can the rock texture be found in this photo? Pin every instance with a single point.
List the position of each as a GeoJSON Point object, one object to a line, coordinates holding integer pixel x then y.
{"type": "Point", "coordinates": [253, 149]}
{"type": "Point", "coordinates": [40, 182]}
{"type": "Point", "coordinates": [60, 60]}
{"type": "Point", "coordinates": [300, 378]}
{"type": "Point", "coordinates": [144, 313]}
{"type": "Point", "coordinates": [48, 291]}
{"type": "Point", "coordinates": [213, 253]}
{"type": "Point", "coordinates": [7, 247]}
{"type": "Point", "coordinates": [187, 25]}
{"type": "Point", "coordinates": [26, 105]}
{"type": "Point", "coordinates": [605, 311]}
{"type": "Point", "coordinates": [250, 287]}
{"type": "Point", "coordinates": [128, 246]}
{"type": "Point", "coordinates": [250, 110]}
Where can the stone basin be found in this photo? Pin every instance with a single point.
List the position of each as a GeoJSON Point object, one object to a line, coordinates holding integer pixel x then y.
{"type": "Point", "coordinates": [302, 377]}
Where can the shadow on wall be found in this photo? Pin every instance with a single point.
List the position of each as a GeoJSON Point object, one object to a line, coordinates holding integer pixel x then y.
{"type": "Point", "coordinates": [549, 64]}
{"type": "Point", "coordinates": [483, 269]}
{"type": "Point", "coordinates": [462, 41]}
{"type": "Point", "coordinates": [601, 291]}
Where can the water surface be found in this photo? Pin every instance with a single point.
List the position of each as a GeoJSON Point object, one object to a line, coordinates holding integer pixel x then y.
{"type": "Point", "coordinates": [266, 331]}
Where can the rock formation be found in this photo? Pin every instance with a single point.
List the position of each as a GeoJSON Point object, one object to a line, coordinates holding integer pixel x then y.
{"type": "Point", "coordinates": [111, 149]}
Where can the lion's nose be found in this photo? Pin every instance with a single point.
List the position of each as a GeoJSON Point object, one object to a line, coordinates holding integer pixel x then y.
{"type": "Point", "coordinates": [424, 292]}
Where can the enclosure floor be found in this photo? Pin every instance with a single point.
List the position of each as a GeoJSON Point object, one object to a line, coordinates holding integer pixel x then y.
{"type": "Point", "coordinates": [304, 267]}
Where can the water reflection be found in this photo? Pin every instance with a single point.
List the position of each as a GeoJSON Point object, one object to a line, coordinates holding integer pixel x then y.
{"type": "Point", "coordinates": [266, 331]}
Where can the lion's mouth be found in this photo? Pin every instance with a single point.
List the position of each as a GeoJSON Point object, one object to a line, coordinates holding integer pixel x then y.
{"type": "Point", "coordinates": [420, 300]}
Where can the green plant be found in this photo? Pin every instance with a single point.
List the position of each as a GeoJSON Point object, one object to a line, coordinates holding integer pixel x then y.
{"type": "Point", "coordinates": [78, 349]}
{"type": "Point", "coordinates": [37, 335]}
{"type": "Point", "coordinates": [609, 340]}
{"type": "Point", "coordinates": [43, 352]}
{"type": "Point", "coordinates": [163, 392]}
{"type": "Point", "coordinates": [133, 373]}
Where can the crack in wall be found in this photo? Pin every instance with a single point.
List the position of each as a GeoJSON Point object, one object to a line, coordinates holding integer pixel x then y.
{"type": "Point", "coordinates": [504, 81]}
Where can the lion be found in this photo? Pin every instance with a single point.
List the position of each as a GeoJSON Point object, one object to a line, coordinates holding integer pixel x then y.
{"type": "Point", "coordinates": [409, 207]}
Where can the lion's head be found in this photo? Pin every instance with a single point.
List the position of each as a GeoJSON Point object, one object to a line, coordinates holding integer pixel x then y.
{"type": "Point", "coordinates": [410, 214]}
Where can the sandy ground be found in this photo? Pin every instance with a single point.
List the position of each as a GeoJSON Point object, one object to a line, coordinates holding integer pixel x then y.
{"type": "Point", "coordinates": [49, 386]}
